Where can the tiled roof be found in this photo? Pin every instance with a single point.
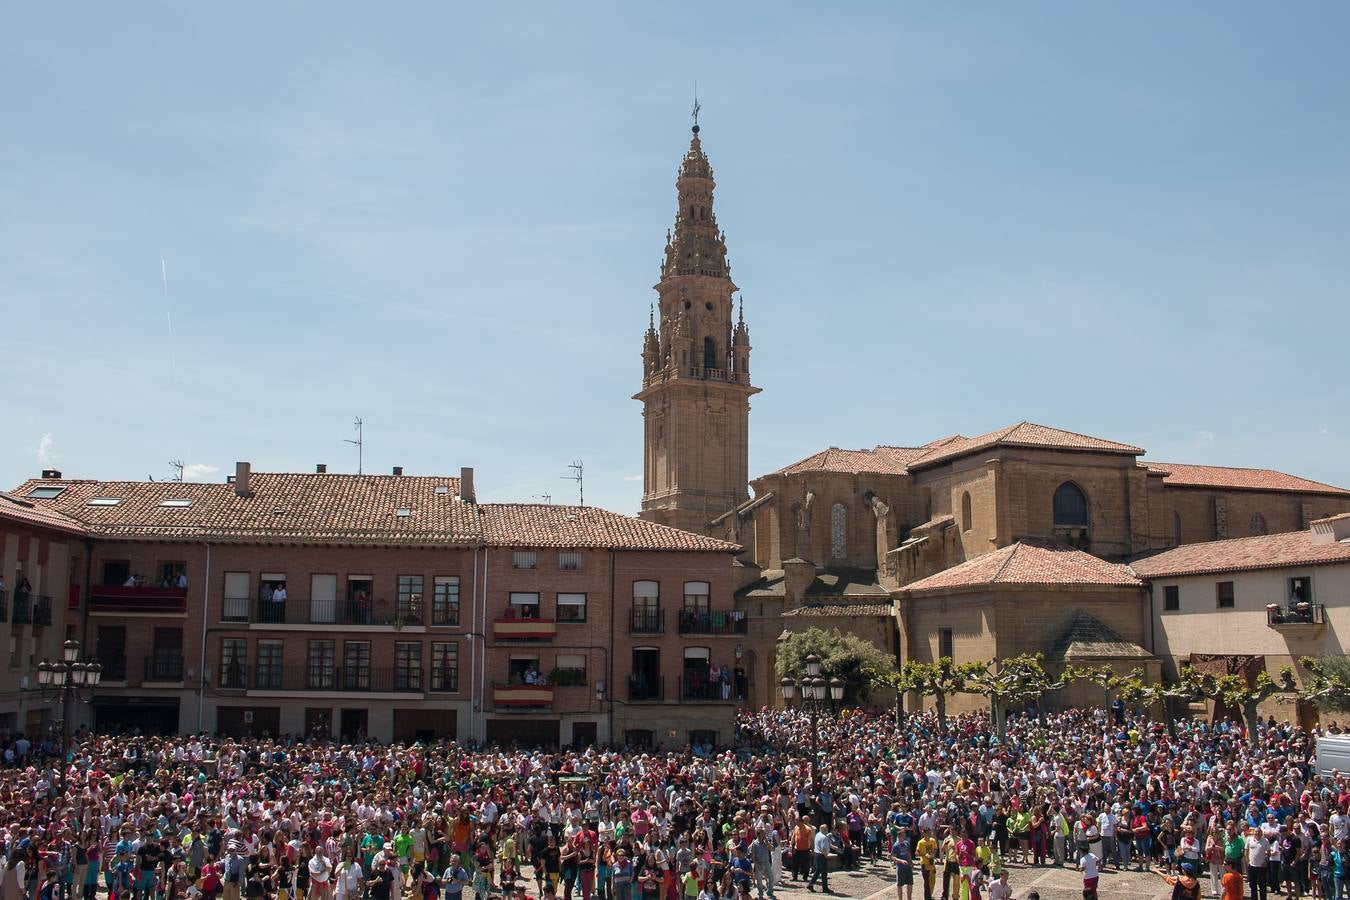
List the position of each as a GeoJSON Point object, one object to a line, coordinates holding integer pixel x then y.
{"type": "Point", "coordinates": [1185, 475]}
{"type": "Point", "coordinates": [1087, 637]}
{"type": "Point", "coordinates": [1023, 434]}
{"type": "Point", "coordinates": [1264, 551]}
{"type": "Point", "coordinates": [839, 582]}
{"type": "Point", "coordinates": [31, 512]}
{"type": "Point", "coordinates": [337, 508]}
{"type": "Point", "coordinates": [889, 460]}
{"type": "Point", "coordinates": [1329, 519]}
{"type": "Point", "coordinates": [1032, 563]}
{"type": "Point", "coordinates": [839, 610]}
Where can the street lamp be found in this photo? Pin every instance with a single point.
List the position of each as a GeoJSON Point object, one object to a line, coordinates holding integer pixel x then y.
{"type": "Point", "coordinates": [66, 681]}
{"type": "Point", "coordinates": [814, 690]}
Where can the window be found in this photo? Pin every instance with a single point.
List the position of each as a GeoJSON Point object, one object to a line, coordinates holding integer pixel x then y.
{"type": "Point", "coordinates": [103, 501]}
{"type": "Point", "coordinates": [269, 663]}
{"type": "Point", "coordinates": [696, 596]}
{"type": "Point", "coordinates": [522, 669]}
{"type": "Point", "coordinates": [46, 492]}
{"type": "Point", "coordinates": [569, 560]}
{"type": "Point", "coordinates": [321, 664]}
{"type": "Point", "coordinates": [574, 665]}
{"type": "Point", "coordinates": [356, 665]}
{"type": "Point", "coordinates": [445, 600]}
{"type": "Point", "coordinates": [172, 574]}
{"type": "Point", "coordinates": [322, 598]}
{"type": "Point", "coordinates": [965, 511]}
{"type": "Point", "coordinates": [524, 559]}
{"type": "Point", "coordinates": [235, 605]}
{"type": "Point", "coordinates": [445, 667]}
{"type": "Point", "coordinates": [709, 354]}
{"type": "Point", "coordinates": [1070, 506]}
{"type": "Point", "coordinates": [526, 606]}
{"type": "Point", "coordinates": [946, 644]}
{"type": "Point", "coordinates": [1171, 598]}
{"type": "Point", "coordinates": [116, 572]}
{"type": "Point", "coordinates": [1300, 589]}
{"type": "Point", "coordinates": [408, 666]}
{"type": "Point", "coordinates": [233, 662]}
{"type": "Point", "coordinates": [176, 503]}
{"type": "Point", "coordinates": [409, 609]}
{"type": "Point", "coordinates": [1176, 528]}
{"type": "Point", "coordinates": [272, 598]}
{"type": "Point", "coordinates": [1257, 524]}
{"type": "Point", "coordinates": [1224, 594]}
{"type": "Point", "coordinates": [571, 607]}
{"type": "Point", "coordinates": [403, 512]}
{"type": "Point", "coordinates": [646, 607]}
{"type": "Point", "coordinates": [838, 531]}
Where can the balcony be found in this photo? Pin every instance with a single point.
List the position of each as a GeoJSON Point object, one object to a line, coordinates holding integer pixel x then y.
{"type": "Point", "coordinates": [141, 600]}
{"type": "Point", "coordinates": [114, 667]}
{"type": "Point", "coordinates": [42, 610]}
{"type": "Point", "coordinates": [23, 608]}
{"type": "Point", "coordinates": [341, 679]}
{"type": "Point", "coordinates": [164, 667]}
{"type": "Point", "coordinates": [698, 689]}
{"type": "Point", "coordinates": [304, 611]}
{"type": "Point", "coordinates": [647, 621]}
{"type": "Point", "coordinates": [646, 688]}
{"type": "Point", "coordinates": [522, 630]}
{"type": "Point", "coordinates": [727, 623]}
{"type": "Point", "coordinates": [1303, 620]}
{"type": "Point", "coordinates": [522, 696]}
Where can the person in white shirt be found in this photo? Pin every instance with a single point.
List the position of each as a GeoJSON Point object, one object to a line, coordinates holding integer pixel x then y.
{"type": "Point", "coordinates": [1001, 889]}
{"type": "Point", "coordinates": [1088, 864]}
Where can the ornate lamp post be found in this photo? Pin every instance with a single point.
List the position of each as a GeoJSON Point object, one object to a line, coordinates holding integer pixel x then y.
{"type": "Point", "coordinates": [66, 681]}
{"type": "Point", "coordinates": [813, 687]}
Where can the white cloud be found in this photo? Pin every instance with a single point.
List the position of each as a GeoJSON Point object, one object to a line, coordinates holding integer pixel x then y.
{"type": "Point", "coordinates": [43, 451]}
{"type": "Point", "coordinates": [632, 478]}
{"type": "Point", "coordinates": [199, 471]}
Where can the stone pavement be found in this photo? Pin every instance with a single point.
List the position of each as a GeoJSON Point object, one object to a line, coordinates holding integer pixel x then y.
{"type": "Point", "coordinates": [874, 882]}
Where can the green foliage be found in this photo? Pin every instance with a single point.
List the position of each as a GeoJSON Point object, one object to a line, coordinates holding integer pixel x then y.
{"type": "Point", "coordinates": [1326, 682]}
{"type": "Point", "coordinates": [567, 677]}
{"type": "Point", "coordinates": [862, 664]}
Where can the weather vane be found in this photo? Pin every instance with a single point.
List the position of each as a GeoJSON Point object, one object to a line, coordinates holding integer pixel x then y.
{"type": "Point", "coordinates": [696, 106]}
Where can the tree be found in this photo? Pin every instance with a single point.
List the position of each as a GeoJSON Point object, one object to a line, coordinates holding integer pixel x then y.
{"type": "Point", "coordinates": [861, 664]}
{"type": "Point", "coordinates": [1015, 681]}
{"type": "Point", "coordinates": [1234, 690]}
{"type": "Point", "coordinates": [1326, 683]}
{"type": "Point", "coordinates": [938, 680]}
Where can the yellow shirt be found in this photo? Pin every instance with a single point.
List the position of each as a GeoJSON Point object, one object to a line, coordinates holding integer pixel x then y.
{"type": "Point", "coordinates": [927, 850]}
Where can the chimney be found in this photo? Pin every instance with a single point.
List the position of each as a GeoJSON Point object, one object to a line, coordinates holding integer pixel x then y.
{"type": "Point", "coordinates": [241, 472]}
{"type": "Point", "coordinates": [320, 469]}
{"type": "Point", "coordinates": [466, 485]}
{"type": "Point", "coordinates": [51, 473]}
{"type": "Point", "coordinates": [398, 470]}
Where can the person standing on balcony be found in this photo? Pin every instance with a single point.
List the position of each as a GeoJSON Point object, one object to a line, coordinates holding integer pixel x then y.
{"type": "Point", "coordinates": [279, 594]}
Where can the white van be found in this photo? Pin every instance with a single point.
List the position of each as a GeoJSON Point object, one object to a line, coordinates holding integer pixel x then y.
{"type": "Point", "coordinates": [1333, 752]}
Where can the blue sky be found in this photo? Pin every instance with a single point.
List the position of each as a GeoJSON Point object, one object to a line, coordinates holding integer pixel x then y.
{"type": "Point", "coordinates": [1129, 221]}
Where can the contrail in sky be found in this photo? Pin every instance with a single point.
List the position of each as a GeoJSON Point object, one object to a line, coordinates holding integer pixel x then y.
{"type": "Point", "coordinates": [168, 314]}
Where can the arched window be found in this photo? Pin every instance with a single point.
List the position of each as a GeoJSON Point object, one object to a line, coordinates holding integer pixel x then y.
{"type": "Point", "coordinates": [1070, 506]}
{"type": "Point", "coordinates": [965, 511]}
{"type": "Point", "coordinates": [1258, 524]}
{"type": "Point", "coordinates": [838, 531]}
{"type": "Point", "coordinates": [709, 353]}
{"type": "Point", "coordinates": [1176, 528]}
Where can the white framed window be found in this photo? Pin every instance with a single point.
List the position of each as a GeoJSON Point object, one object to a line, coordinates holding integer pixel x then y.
{"type": "Point", "coordinates": [696, 596]}
{"type": "Point", "coordinates": [525, 605]}
{"type": "Point", "coordinates": [571, 607]}
{"type": "Point", "coordinates": [524, 559]}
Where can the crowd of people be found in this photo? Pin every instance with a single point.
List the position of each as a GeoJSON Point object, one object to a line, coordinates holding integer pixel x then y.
{"type": "Point", "coordinates": [953, 812]}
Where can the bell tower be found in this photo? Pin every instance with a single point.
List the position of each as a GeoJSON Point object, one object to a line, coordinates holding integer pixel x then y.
{"type": "Point", "coordinates": [695, 367]}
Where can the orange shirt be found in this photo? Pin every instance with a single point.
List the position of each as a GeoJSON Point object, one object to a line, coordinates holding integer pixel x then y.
{"type": "Point", "coordinates": [1232, 886]}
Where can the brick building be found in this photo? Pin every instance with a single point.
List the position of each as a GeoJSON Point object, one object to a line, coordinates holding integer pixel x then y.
{"type": "Point", "coordinates": [393, 606]}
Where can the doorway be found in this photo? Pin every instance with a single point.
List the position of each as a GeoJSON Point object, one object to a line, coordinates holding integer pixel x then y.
{"type": "Point", "coordinates": [355, 725]}
{"type": "Point", "coordinates": [583, 734]}
{"type": "Point", "coordinates": [645, 681]}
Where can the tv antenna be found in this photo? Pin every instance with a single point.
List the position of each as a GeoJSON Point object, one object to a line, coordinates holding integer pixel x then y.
{"type": "Point", "coordinates": [177, 466]}
{"type": "Point", "coordinates": [360, 444]}
{"type": "Point", "coordinates": [578, 470]}
{"type": "Point", "coordinates": [546, 497]}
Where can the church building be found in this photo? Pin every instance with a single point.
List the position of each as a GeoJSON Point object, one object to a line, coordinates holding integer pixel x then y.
{"type": "Point", "coordinates": [1017, 540]}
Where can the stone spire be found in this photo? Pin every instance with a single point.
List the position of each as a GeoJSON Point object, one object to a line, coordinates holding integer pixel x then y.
{"type": "Point", "coordinates": [697, 247]}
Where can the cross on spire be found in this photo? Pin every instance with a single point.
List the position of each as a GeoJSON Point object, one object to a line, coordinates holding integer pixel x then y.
{"type": "Point", "coordinates": [695, 111]}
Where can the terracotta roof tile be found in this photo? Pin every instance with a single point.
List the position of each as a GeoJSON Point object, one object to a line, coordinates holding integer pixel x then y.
{"type": "Point", "coordinates": [1329, 519]}
{"type": "Point", "coordinates": [824, 610]}
{"type": "Point", "coordinates": [1086, 637]}
{"type": "Point", "coordinates": [1265, 551]}
{"type": "Point", "coordinates": [881, 461]}
{"type": "Point", "coordinates": [337, 508]}
{"type": "Point", "coordinates": [32, 512]}
{"type": "Point", "coordinates": [1028, 562]}
{"type": "Point", "coordinates": [1186, 475]}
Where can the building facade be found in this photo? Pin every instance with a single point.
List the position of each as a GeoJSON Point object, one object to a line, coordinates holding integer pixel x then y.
{"type": "Point", "coordinates": [396, 607]}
